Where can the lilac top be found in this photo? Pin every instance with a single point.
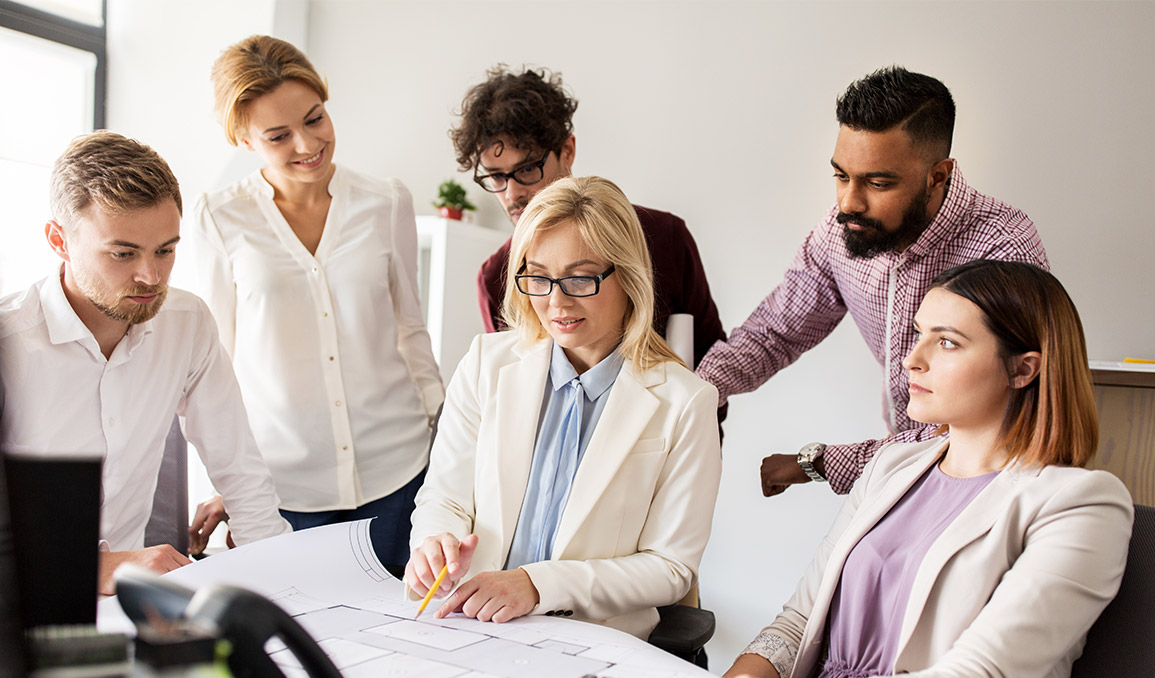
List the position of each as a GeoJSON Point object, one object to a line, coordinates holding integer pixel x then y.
{"type": "Point", "coordinates": [870, 601]}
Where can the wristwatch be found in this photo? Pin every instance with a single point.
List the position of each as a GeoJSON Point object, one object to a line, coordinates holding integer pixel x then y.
{"type": "Point", "coordinates": [806, 458]}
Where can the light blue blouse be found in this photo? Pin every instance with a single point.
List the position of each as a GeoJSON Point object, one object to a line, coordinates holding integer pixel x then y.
{"type": "Point", "coordinates": [570, 409]}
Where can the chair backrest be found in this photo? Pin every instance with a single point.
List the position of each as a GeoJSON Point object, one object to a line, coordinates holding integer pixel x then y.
{"type": "Point", "coordinates": [1119, 644]}
{"type": "Point", "coordinates": [169, 521]}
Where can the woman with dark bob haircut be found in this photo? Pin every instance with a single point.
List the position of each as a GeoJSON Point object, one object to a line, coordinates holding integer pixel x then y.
{"type": "Point", "coordinates": [988, 551]}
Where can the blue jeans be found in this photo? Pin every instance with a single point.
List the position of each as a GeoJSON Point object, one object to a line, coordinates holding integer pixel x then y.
{"type": "Point", "coordinates": [389, 532]}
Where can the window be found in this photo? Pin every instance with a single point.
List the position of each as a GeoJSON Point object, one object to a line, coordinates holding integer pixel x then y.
{"type": "Point", "coordinates": [54, 82]}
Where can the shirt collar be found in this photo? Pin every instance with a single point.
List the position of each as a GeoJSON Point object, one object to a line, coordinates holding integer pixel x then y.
{"type": "Point", "coordinates": [946, 222]}
{"type": "Point", "coordinates": [62, 322]}
{"type": "Point", "coordinates": [262, 184]}
{"type": "Point", "coordinates": [265, 188]}
{"type": "Point", "coordinates": [59, 317]}
{"type": "Point", "coordinates": [596, 380]}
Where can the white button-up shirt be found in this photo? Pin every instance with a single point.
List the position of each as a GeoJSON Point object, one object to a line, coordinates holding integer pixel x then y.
{"type": "Point", "coordinates": [330, 348]}
{"type": "Point", "coordinates": [63, 397]}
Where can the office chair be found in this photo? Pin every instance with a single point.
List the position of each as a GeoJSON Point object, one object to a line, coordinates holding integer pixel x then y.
{"type": "Point", "coordinates": [1119, 644]}
{"type": "Point", "coordinates": [168, 523]}
{"type": "Point", "coordinates": [684, 629]}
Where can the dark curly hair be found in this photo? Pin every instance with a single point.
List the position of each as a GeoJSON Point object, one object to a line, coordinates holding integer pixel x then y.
{"type": "Point", "coordinates": [531, 109]}
{"type": "Point", "coordinates": [894, 96]}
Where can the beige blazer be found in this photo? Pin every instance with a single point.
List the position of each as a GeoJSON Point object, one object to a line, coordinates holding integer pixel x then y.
{"type": "Point", "coordinates": [1010, 587]}
{"type": "Point", "coordinates": [639, 512]}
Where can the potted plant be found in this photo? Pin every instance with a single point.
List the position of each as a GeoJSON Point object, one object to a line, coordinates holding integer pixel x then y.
{"type": "Point", "coordinates": [451, 201]}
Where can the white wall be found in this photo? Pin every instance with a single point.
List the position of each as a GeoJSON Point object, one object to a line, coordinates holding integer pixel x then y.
{"type": "Point", "coordinates": [722, 112]}
{"type": "Point", "coordinates": [160, 55]}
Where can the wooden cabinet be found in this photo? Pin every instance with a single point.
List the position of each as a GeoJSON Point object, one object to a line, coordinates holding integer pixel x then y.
{"type": "Point", "coordinates": [1125, 398]}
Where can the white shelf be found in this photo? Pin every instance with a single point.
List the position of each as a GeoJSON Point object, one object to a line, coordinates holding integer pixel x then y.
{"type": "Point", "coordinates": [450, 253]}
{"type": "Point", "coordinates": [1119, 366]}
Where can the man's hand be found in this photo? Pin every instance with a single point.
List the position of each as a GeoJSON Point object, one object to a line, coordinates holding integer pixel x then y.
{"type": "Point", "coordinates": [210, 513]}
{"type": "Point", "coordinates": [497, 596]}
{"type": "Point", "coordinates": [780, 471]}
{"type": "Point", "coordinates": [163, 558]}
{"type": "Point", "coordinates": [426, 561]}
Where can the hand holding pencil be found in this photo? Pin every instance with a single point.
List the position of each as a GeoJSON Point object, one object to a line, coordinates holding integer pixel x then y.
{"type": "Point", "coordinates": [432, 590]}
{"type": "Point", "coordinates": [438, 564]}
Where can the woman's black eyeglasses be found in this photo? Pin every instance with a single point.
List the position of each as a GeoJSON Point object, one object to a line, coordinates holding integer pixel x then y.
{"type": "Point", "coordinates": [572, 285]}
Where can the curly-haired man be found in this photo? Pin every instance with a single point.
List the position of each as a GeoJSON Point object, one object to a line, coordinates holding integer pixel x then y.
{"type": "Point", "coordinates": [516, 135]}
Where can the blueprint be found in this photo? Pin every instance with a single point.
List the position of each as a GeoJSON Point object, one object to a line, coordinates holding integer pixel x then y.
{"type": "Point", "coordinates": [330, 581]}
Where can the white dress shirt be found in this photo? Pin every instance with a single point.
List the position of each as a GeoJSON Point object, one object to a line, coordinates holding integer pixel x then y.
{"type": "Point", "coordinates": [330, 349]}
{"type": "Point", "coordinates": [63, 397]}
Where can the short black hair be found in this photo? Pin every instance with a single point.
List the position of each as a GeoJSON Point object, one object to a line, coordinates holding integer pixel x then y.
{"type": "Point", "coordinates": [894, 96]}
{"type": "Point", "coordinates": [531, 109]}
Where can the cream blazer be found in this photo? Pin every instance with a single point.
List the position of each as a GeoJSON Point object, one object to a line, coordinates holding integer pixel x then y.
{"type": "Point", "coordinates": [639, 512]}
{"type": "Point", "coordinates": [1009, 589]}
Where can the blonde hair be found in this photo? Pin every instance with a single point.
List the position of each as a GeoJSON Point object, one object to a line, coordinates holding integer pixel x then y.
{"type": "Point", "coordinates": [114, 172]}
{"type": "Point", "coordinates": [608, 225]}
{"type": "Point", "coordinates": [251, 69]}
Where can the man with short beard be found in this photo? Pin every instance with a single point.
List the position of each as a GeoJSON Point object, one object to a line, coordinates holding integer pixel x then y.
{"type": "Point", "coordinates": [96, 362]}
{"type": "Point", "coordinates": [903, 215]}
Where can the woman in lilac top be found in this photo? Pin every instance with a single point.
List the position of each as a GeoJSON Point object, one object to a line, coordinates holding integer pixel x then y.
{"type": "Point", "coordinates": [986, 552]}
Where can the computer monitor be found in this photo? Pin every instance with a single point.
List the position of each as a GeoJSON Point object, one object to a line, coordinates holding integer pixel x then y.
{"type": "Point", "coordinates": [11, 628]}
{"type": "Point", "coordinates": [54, 504]}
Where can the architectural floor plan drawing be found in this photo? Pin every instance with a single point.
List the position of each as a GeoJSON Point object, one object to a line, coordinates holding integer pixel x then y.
{"type": "Point", "coordinates": [330, 581]}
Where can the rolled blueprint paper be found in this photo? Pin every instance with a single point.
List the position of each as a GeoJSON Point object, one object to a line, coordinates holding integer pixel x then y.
{"type": "Point", "coordinates": [680, 337]}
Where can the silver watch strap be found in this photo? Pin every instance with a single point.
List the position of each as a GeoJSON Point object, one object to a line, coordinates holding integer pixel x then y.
{"type": "Point", "coordinates": [806, 457]}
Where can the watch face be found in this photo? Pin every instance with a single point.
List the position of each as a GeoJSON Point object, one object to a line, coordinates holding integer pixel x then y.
{"type": "Point", "coordinates": [810, 452]}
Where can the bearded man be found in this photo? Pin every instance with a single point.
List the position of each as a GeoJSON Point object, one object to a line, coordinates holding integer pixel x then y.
{"type": "Point", "coordinates": [98, 358]}
{"type": "Point", "coordinates": [903, 215]}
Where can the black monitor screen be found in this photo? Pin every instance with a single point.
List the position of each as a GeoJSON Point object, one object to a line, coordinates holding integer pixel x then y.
{"type": "Point", "coordinates": [11, 629]}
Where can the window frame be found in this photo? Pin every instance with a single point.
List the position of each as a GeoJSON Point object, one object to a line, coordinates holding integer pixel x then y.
{"type": "Point", "coordinates": [77, 34]}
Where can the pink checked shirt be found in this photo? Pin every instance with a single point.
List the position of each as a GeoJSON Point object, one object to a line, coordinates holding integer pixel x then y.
{"type": "Point", "coordinates": [881, 293]}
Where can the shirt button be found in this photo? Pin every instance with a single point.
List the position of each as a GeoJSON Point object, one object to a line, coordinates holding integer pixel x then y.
{"type": "Point", "coordinates": [314, 269]}
{"type": "Point", "coordinates": [338, 403]}
{"type": "Point", "coordinates": [344, 447]}
{"type": "Point", "coordinates": [324, 314]}
{"type": "Point", "coordinates": [330, 357]}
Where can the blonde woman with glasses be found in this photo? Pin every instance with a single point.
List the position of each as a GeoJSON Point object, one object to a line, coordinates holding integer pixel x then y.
{"type": "Point", "coordinates": [577, 460]}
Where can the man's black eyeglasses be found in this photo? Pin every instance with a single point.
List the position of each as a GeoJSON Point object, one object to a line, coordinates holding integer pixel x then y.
{"type": "Point", "coordinates": [572, 286]}
{"type": "Point", "coordinates": [526, 175]}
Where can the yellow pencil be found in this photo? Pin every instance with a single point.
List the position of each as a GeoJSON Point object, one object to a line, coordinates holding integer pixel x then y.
{"type": "Point", "coordinates": [429, 596]}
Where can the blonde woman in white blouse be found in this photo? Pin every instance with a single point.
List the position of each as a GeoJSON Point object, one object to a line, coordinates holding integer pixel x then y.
{"type": "Point", "coordinates": [310, 270]}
